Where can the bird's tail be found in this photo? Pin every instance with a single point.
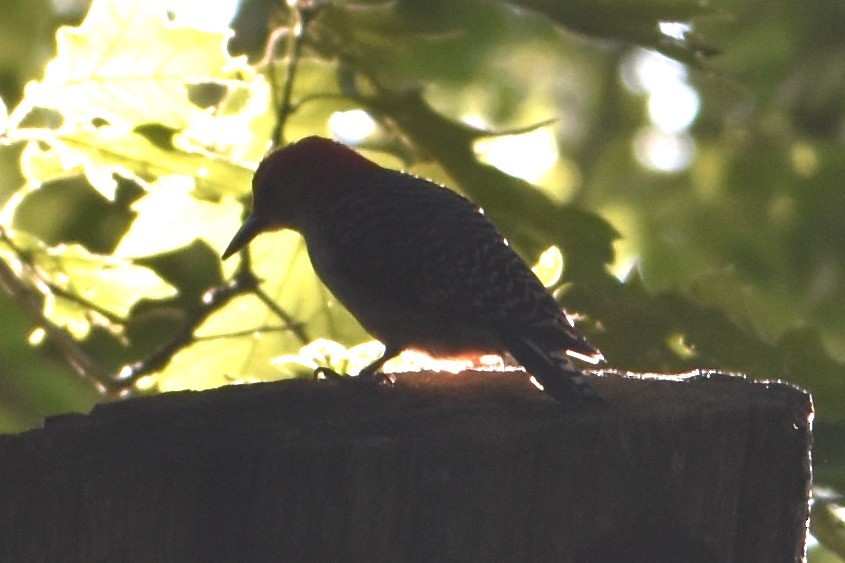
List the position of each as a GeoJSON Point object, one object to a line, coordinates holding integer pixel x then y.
{"type": "Point", "coordinates": [555, 372]}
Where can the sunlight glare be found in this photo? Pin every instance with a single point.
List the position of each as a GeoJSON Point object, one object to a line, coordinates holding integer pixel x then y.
{"type": "Point", "coordinates": [146, 383]}
{"type": "Point", "coordinates": [37, 337]}
{"type": "Point", "coordinates": [623, 267]}
{"type": "Point", "coordinates": [352, 127]}
{"type": "Point", "coordinates": [644, 71]}
{"type": "Point", "coordinates": [528, 156]}
{"type": "Point", "coordinates": [675, 30]}
{"type": "Point", "coordinates": [205, 15]}
{"type": "Point", "coordinates": [595, 359]}
{"type": "Point", "coordinates": [414, 361]}
{"type": "Point", "coordinates": [491, 362]}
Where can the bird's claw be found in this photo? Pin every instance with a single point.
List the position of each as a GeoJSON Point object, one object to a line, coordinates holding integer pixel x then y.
{"type": "Point", "coordinates": [365, 377]}
{"type": "Point", "coordinates": [377, 378]}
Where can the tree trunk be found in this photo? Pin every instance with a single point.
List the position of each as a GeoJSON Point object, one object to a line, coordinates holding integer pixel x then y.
{"type": "Point", "coordinates": [470, 467]}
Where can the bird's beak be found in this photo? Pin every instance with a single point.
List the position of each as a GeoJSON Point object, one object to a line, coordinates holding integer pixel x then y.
{"type": "Point", "coordinates": [248, 231]}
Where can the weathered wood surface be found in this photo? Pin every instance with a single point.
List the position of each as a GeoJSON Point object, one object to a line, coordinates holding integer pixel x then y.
{"type": "Point", "coordinates": [470, 467]}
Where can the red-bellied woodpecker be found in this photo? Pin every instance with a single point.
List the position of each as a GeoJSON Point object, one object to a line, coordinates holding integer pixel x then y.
{"type": "Point", "coordinates": [418, 265]}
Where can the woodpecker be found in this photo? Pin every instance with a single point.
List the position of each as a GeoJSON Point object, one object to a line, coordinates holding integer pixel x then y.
{"type": "Point", "coordinates": [419, 266]}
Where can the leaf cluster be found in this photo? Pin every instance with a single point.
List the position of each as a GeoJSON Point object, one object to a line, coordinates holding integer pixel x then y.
{"type": "Point", "coordinates": [133, 155]}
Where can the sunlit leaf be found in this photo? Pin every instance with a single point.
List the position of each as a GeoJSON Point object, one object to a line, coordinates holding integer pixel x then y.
{"type": "Point", "coordinates": [328, 353]}
{"type": "Point", "coordinates": [115, 285]}
{"type": "Point", "coordinates": [170, 217]}
{"type": "Point", "coordinates": [127, 64]}
{"type": "Point", "coordinates": [44, 164]}
{"type": "Point", "coordinates": [239, 127]}
{"type": "Point", "coordinates": [208, 364]}
{"type": "Point", "coordinates": [131, 156]}
{"type": "Point", "coordinates": [81, 288]}
{"type": "Point", "coordinates": [549, 266]}
{"type": "Point", "coordinates": [67, 314]}
{"type": "Point", "coordinates": [360, 356]}
{"type": "Point", "coordinates": [281, 260]}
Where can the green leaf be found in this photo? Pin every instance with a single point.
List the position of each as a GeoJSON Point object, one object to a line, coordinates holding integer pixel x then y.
{"type": "Point", "coordinates": [128, 65]}
{"type": "Point", "coordinates": [640, 332]}
{"type": "Point", "coordinates": [170, 217]}
{"type": "Point", "coordinates": [81, 288]}
{"type": "Point", "coordinates": [57, 161]}
{"type": "Point", "coordinates": [128, 68]}
{"type": "Point", "coordinates": [405, 44]}
{"type": "Point", "coordinates": [67, 314]}
{"type": "Point", "coordinates": [632, 21]}
{"type": "Point", "coordinates": [828, 524]}
{"type": "Point", "coordinates": [328, 353]}
{"type": "Point", "coordinates": [100, 153]}
{"type": "Point", "coordinates": [114, 284]}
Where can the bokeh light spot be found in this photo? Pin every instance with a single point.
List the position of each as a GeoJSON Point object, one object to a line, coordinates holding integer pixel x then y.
{"type": "Point", "coordinates": [664, 152]}
{"type": "Point", "coordinates": [353, 126]}
{"type": "Point", "coordinates": [673, 107]}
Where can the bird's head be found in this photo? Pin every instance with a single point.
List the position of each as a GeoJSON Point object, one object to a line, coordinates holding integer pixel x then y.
{"type": "Point", "coordinates": [292, 185]}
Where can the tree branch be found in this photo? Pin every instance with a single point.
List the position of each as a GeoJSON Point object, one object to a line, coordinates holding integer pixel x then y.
{"type": "Point", "coordinates": [301, 14]}
{"type": "Point", "coordinates": [31, 304]}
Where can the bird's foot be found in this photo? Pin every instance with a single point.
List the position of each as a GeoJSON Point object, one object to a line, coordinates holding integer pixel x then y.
{"type": "Point", "coordinates": [373, 377]}
{"type": "Point", "coordinates": [366, 377]}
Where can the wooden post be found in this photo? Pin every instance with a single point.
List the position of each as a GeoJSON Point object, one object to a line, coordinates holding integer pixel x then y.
{"type": "Point", "coordinates": [470, 467]}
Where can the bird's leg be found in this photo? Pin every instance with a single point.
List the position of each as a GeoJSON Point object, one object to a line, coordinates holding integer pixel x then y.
{"type": "Point", "coordinates": [370, 374]}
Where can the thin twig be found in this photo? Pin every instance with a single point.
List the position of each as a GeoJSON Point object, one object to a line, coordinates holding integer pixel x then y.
{"type": "Point", "coordinates": [245, 272]}
{"type": "Point", "coordinates": [294, 326]}
{"type": "Point", "coordinates": [244, 282]}
{"type": "Point", "coordinates": [68, 294]}
{"type": "Point", "coordinates": [295, 35]}
{"type": "Point", "coordinates": [299, 18]}
{"type": "Point", "coordinates": [241, 333]}
{"type": "Point", "coordinates": [73, 353]}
